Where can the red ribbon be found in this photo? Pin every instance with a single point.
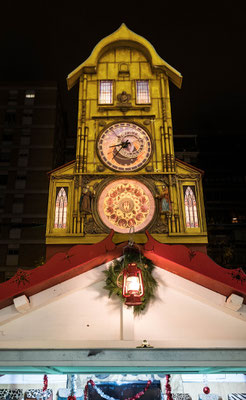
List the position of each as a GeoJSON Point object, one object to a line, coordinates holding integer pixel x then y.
{"type": "Point", "coordinates": [45, 383]}
{"type": "Point", "coordinates": [168, 388]}
{"type": "Point", "coordinates": [72, 397]}
{"type": "Point", "coordinates": [86, 388]}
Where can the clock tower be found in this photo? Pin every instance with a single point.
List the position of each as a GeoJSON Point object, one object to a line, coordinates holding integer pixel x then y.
{"type": "Point", "coordinates": [125, 176]}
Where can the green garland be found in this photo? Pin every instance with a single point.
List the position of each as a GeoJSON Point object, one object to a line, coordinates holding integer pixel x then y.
{"type": "Point", "coordinates": [117, 267]}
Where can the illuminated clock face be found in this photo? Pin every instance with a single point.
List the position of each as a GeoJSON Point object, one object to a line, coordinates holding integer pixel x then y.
{"type": "Point", "coordinates": [124, 147]}
{"type": "Point", "coordinates": [125, 204]}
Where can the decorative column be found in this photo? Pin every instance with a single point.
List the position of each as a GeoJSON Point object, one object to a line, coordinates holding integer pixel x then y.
{"type": "Point", "coordinates": [165, 127]}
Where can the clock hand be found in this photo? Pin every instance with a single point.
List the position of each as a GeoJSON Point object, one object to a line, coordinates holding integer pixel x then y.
{"type": "Point", "coordinates": [117, 152]}
{"type": "Point", "coordinates": [115, 145]}
{"type": "Point", "coordinates": [123, 144]}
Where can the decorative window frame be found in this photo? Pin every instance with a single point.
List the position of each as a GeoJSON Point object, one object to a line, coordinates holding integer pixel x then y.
{"type": "Point", "coordinates": [136, 91]}
{"type": "Point", "coordinates": [196, 187]}
{"type": "Point", "coordinates": [191, 214]}
{"type": "Point", "coordinates": [99, 91]}
{"type": "Point", "coordinates": [56, 183]}
{"type": "Point", "coordinates": [61, 208]}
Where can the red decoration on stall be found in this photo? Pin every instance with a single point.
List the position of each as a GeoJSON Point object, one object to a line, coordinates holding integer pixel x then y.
{"type": "Point", "coordinates": [140, 394]}
{"type": "Point", "coordinates": [137, 396]}
{"type": "Point", "coordinates": [45, 383]}
{"type": "Point", "coordinates": [206, 390]}
{"type": "Point", "coordinates": [168, 388]}
{"type": "Point", "coordinates": [92, 383]}
{"type": "Point", "coordinates": [82, 258]}
{"type": "Point", "coordinates": [72, 397]}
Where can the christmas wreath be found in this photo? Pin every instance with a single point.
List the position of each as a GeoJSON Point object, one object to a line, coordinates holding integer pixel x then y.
{"type": "Point", "coordinates": [114, 276]}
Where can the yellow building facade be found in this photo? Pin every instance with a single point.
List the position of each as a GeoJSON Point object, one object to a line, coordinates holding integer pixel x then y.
{"type": "Point", "coordinates": [125, 176]}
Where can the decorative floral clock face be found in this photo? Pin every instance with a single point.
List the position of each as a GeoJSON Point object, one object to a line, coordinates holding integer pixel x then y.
{"type": "Point", "coordinates": [124, 147]}
{"type": "Point", "coordinates": [124, 204]}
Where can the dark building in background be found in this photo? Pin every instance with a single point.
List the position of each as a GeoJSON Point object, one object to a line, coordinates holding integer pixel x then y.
{"type": "Point", "coordinates": [32, 135]}
{"type": "Point", "coordinates": [220, 155]}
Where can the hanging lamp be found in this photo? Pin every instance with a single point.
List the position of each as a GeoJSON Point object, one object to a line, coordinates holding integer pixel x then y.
{"type": "Point", "coordinates": [132, 286]}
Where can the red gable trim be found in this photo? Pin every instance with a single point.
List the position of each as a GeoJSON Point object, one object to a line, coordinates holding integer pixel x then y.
{"type": "Point", "coordinates": [59, 268]}
{"type": "Point", "coordinates": [196, 267]}
{"type": "Point", "coordinates": [178, 259]}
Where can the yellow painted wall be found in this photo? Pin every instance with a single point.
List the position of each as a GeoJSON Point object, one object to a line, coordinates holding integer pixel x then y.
{"type": "Point", "coordinates": [124, 58]}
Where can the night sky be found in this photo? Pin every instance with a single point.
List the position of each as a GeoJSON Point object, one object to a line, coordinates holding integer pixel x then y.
{"type": "Point", "coordinates": [46, 41]}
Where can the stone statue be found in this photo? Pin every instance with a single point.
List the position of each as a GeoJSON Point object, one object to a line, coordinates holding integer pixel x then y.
{"type": "Point", "coordinates": [164, 199]}
{"type": "Point", "coordinates": [85, 200]}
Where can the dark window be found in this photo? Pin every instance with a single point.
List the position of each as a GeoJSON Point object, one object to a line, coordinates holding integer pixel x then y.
{"type": "Point", "coordinates": [13, 94]}
{"type": "Point", "coordinates": [7, 137]}
{"type": "Point", "coordinates": [10, 117]}
{"type": "Point", "coordinates": [27, 117]}
{"type": "Point", "coordinates": [3, 180]}
{"type": "Point", "coordinates": [21, 177]}
{"type": "Point", "coordinates": [13, 252]}
{"type": "Point", "coordinates": [25, 132]}
{"type": "Point", "coordinates": [4, 157]}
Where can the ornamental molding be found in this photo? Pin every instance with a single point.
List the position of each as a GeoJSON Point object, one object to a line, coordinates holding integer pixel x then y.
{"type": "Point", "coordinates": [60, 177]}
{"type": "Point", "coordinates": [106, 179]}
{"type": "Point", "coordinates": [124, 108]}
{"type": "Point", "coordinates": [86, 179]}
{"type": "Point", "coordinates": [159, 226]}
{"type": "Point", "coordinates": [91, 227]}
{"type": "Point", "coordinates": [83, 112]}
{"type": "Point", "coordinates": [189, 176]}
{"type": "Point", "coordinates": [174, 179]}
{"type": "Point", "coordinates": [111, 118]}
{"type": "Point", "coordinates": [124, 99]}
{"type": "Point", "coordinates": [160, 178]}
{"type": "Point", "coordinates": [76, 181]}
{"type": "Point", "coordinates": [123, 104]}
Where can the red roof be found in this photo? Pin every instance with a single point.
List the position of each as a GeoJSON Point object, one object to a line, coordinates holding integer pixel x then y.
{"type": "Point", "coordinates": [178, 259]}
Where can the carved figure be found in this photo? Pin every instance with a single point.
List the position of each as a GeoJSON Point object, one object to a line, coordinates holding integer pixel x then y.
{"type": "Point", "coordinates": [164, 199]}
{"type": "Point", "coordinates": [85, 200]}
{"type": "Point", "coordinates": [124, 98]}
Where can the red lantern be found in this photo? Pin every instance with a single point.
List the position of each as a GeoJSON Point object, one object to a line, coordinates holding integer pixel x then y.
{"type": "Point", "coordinates": [133, 288]}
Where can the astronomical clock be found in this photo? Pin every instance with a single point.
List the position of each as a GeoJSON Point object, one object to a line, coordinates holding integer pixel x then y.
{"type": "Point", "coordinates": [125, 176]}
{"type": "Point", "coordinates": [124, 147]}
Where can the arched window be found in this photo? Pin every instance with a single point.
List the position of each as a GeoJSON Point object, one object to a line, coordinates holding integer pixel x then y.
{"type": "Point", "coordinates": [61, 209]}
{"type": "Point", "coordinates": [190, 208]}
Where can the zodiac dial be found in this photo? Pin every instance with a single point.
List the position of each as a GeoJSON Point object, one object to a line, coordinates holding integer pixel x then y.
{"type": "Point", "coordinates": [125, 204]}
{"type": "Point", "coordinates": [124, 147]}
